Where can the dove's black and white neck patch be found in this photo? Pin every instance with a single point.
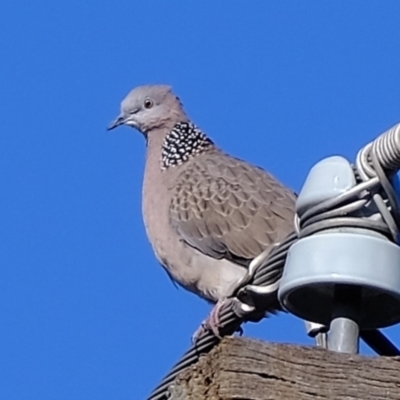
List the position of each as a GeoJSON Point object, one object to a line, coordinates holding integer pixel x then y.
{"type": "Point", "coordinates": [184, 141]}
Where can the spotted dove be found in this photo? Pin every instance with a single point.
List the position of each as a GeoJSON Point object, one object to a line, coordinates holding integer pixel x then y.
{"type": "Point", "coordinates": [207, 214]}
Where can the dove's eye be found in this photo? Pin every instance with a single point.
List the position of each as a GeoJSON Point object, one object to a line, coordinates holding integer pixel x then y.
{"type": "Point", "coordinates": [148, 103]}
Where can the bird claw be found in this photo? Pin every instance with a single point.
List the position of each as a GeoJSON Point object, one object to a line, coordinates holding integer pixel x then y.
{"type": "Point", "coordinates": [210, 324]}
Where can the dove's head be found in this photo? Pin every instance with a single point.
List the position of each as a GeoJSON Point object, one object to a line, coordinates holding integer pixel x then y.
{"type": "Point", "coordinates": [150, 107]}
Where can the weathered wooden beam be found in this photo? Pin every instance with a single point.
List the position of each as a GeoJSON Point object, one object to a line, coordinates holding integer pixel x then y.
{"type": "Point", "coordinates": [247, 369]}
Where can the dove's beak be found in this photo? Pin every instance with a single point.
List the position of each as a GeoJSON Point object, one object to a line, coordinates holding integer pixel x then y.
{"type": "Point", "coordinates": [120, 120]}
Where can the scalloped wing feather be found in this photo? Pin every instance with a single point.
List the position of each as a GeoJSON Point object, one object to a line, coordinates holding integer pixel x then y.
{"type": "Point", "coordinates": [226, 208]}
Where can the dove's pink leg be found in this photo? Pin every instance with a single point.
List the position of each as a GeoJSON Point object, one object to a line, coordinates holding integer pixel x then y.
{"type": "Point", "coordinates": [211, 323]}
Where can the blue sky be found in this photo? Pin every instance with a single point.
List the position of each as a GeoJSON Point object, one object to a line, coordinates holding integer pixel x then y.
{"type": "Point", "coordinates": [86, 312]}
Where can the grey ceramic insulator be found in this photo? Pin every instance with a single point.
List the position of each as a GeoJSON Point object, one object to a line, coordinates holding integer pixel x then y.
{"type": "Point", "coordinates": [316, 264]}
{"type": "Point", "coordinates": [326, 179]}
{"type": "Point", "coordinates": [320, 264]}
